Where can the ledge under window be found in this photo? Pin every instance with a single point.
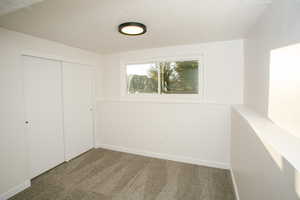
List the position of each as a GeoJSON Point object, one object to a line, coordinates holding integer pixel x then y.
{"type": "Point", "coordinates": [284, 143]}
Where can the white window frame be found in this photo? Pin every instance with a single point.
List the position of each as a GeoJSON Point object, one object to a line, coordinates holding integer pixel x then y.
{"type": "Point", "coordinates": [161, 96]}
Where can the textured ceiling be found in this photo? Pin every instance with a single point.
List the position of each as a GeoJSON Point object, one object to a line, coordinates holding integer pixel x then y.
{"type": "Point", "coordinates": [92, 24]}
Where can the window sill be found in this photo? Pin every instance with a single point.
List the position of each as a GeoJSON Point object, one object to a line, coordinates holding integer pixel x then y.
{"type": "Point", "coordinates": [161, 101]}
{"type": "Point", "coordinates": [286, 144]}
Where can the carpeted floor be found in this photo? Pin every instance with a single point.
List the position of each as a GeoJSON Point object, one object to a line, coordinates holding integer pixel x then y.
{"type": "Point", "coordinates": [108, 175]}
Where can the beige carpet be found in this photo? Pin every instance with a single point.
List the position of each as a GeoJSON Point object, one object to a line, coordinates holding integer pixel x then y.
{"type": "Point", "coordinates": [108, 175]}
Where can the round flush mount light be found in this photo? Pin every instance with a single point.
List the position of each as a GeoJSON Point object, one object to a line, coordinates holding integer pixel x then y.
{"type": "Point", "coordinates": [132, 28]}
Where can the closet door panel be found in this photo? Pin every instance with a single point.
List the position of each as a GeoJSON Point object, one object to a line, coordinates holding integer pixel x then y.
{"type": "Point", "coordinates": [43, 109]}
{"type": "Point", "coordinates": [78, 114]}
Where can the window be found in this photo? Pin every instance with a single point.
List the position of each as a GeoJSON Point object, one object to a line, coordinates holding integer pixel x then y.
{"type": "Point", "coordinates": [164, 77]}
{"type": "Point", "coordinates": [142, 78]}
{"type": "Point", "coordinates": [179, 77]}
{"type": "Point", "coordinates": [284, 88]}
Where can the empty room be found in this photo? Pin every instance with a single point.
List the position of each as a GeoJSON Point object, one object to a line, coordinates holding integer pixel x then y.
{"type": "Point", "coordinates": [149, 100]}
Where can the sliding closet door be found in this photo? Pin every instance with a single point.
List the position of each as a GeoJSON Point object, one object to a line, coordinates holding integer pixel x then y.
{"type": "Point", "coordinates": [43, 108]}
{"type": "Point", "coordinates": [78, 111]}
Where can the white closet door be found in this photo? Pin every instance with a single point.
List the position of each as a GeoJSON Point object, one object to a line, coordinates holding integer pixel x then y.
{"type": "Point", "coordinates": [78, 112]}
{"type": "Point", "coordinates": [43, 108]}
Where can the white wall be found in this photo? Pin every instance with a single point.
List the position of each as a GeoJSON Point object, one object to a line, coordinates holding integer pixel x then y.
{"type": "Point", "coordinates": [278, 27]}
{"type": "Point", "coordinates": [195, 133]}
{"type": "Point", "coordinates": [223, 68]}
{"type": "Point", "coordinates": [13, 142]}
{"type": "Point", "coordinates": [257, 175]}
{"type": "Point", "coordinates": [192, 132]}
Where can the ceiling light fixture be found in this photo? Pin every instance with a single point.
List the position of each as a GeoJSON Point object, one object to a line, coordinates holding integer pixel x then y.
{"type": "Point", "coordinates": [132, 28]}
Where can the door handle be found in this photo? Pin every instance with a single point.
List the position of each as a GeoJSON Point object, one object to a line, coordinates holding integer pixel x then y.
{"type": "Point", "coordinates": [26, 122]}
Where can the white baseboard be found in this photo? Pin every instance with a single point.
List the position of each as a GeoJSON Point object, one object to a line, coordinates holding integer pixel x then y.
{"type": "Point", "coordinates": [166, 156]}
{"type": "Point", "coordinates": [234, 185]}
{"type": "Point", "coordinates": [15, 190]}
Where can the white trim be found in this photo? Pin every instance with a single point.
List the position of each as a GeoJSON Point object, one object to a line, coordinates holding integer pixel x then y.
{"type": "Point", "coordinates": [63, 108]}
{"type": "Point", "coordinates": [257, 2]}
{"type": "Point", "coordinates": [166, 156]}
{"type": "Point", "coordinates": [15, 190]}
{"type": "Point", "coordinates": [191, 56]}
{"type": "Point", "coordinates": [161, 101]}
{"type": "Point", "coordinates": [94, 106]}
{"type": "Point", "coordinates": [54, 57]}
{"type": "Point", "coordinates": [236, 191]}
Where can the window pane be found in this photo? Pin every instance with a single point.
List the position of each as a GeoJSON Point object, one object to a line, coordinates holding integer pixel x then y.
{"type": "Point", "coordinates": [142, 78]}
{"type": "Point", "coordinates": [179, 77]}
